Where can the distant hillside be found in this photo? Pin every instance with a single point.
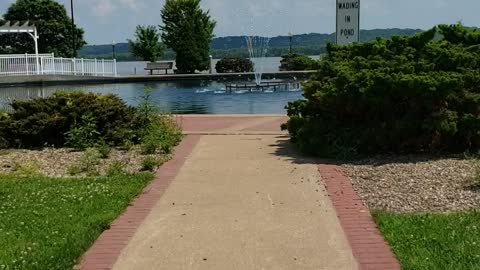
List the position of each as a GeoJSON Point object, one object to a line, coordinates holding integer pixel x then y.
{"type": "Point", "coordinates": [312, 39]}
{"type": "Point", "coordinates": [311, 44]}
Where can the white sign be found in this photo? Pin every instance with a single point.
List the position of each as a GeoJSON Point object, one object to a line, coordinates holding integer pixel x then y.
{"type": "Point", "coordinates": [348, 21]}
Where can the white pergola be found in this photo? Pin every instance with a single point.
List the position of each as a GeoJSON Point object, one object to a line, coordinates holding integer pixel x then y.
{"type": "Point", "coordinates": [17, 28]}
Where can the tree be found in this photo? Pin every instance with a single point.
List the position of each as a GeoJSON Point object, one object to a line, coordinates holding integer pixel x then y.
{"type": "Point", "coordinates": [146, 44]}
{"type": "Point", "coordinates": [53, 25]}
{"type": "Point", "coordinates": [188, 30]}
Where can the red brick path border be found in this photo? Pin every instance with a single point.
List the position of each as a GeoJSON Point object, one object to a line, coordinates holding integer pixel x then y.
{"type": "Point", "coordinates": [107, 248]}
{"type": "Point", "coordinates": [367, 243]}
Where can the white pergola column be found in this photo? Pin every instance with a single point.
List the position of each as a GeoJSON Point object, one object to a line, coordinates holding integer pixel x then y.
{"type": "Point", "coordinates": [16, 28]}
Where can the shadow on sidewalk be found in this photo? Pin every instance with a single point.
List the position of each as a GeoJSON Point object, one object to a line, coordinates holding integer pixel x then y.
{"type": "Point", "coordinates": [284, 148]}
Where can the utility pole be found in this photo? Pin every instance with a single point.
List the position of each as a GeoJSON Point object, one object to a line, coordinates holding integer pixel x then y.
{"type": "Point", "coordinates": [113, 49]}
{"type": "Point", "coordinates": [74, 36]}
{"type": "Point", "coordinates": [290, 35]}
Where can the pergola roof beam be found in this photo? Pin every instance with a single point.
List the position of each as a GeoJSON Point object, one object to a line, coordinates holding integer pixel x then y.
{"type": "Point", "coordinates": [9, 27]}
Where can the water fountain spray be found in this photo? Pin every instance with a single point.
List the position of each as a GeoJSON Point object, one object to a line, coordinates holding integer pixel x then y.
{"type": "Point", "coordinates": [257, 49]}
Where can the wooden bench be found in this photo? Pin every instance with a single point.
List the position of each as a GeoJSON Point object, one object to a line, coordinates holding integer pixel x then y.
{"type": "Point", "coordinates": [159, 66]}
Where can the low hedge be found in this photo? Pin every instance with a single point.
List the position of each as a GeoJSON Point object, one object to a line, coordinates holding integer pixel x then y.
{"type": "Point", "coordinates": [404, 95]}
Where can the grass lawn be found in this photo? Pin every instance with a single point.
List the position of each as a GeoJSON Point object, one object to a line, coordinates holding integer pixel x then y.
{"type": "Point", "coordinates": [49, 223]}
{"type": "Point", "coordinates": [433, 241]}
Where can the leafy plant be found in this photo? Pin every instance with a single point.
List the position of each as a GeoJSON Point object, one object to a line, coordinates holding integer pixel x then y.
{"type": "Point", "coordinates": [116, 168]}
{"type": "Point", "coordinates": [127, 146]}
{"type": "Point", "coordinates": [162, 134]}
{"type": "Point", "coordinates": [147, 43]}
{"type": "Point", "coordinates": [158, 132]}
{"type": "Point", "coordinates": [26, 169]}
{"type": "Point", "coordinates": [104, 150]}
{"type": "Point", "coordinates": [404, 95]}
{"type": "Point", "coordinates": [147, 111]}
{"type": "Point", "coordinates": [74, 169]}
{"type": "Point", "coordinates": [84, 135]}
{"type": "Point", "coordinates": [150, 163]}
{"type": "Point", "coordinates": [89, 161]}
{"type": "Point", "coordinates": [234, 64]}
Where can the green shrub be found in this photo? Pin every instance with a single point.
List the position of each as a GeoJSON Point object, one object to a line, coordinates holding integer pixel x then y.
{"type": "Point", "coordinates": [5, 122]}
{"type": "Point", "coordinates": [162, 134]}
{"type": "Point", "coordinates": [158, 133]}
{"type": "Point", "coordinates": [404, 95]}
{"type": "Point", "coordinates": [89, 161]}
{"type": "Point", "coordinates": [84, 120]}
{"type": "Point", "coordinates": [150, 164]}
{"type": "Point", "coordinates": [26, 169]}
{"type": "Point", "coordinates": [46, 121]}
{"type": "Point", "coordinates": [147, 111]}
{"type": "Point", "coordinates": [293, 62]}
{"type": "Point", "coordinates": [234, 64]}
{"type": "Point", "coordinates": [104, 150]}
{"type": "Point", "coordinates": [84, 135]}
{"type": "Point", "coordinates": [116, 168]}
{"type": "Point", "coordinates": [127, 146]}
{"type": "Point", "coordinates": [74, 169]}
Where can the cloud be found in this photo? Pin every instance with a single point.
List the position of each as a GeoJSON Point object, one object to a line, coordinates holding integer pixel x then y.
{"type": "Point", "coordinates": [103, 8]}
{"type": "Point", "coordinates": [107, 8]}
{"type": "Point", "coordinates": [130, 4]}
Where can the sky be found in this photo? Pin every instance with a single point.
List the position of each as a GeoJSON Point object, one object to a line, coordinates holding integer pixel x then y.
{"type": "Point", "coordinates": [107, 20]}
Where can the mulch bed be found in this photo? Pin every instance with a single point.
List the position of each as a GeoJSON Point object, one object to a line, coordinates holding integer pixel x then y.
{"type": "Point", "coordinates": [56, 162]}
{"type": "Point", "coordinates": [407, 184]}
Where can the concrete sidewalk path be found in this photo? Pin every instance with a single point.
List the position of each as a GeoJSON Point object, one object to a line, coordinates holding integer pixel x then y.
{"type": "Point", "coordinates": [241, 202]}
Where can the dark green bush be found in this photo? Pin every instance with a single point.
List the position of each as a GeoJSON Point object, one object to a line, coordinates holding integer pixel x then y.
{"type": "Point", "coordinates": [404, 95]}
{"type": "Point", "coordinates": [293, 62]}
{"type": "Point", "coordinates": [234, 64]}
{"type": "Point", "coordinates": [5, 122]}
{"type": "Point", "coordinates": [54, 120]}
{"type": "Point", "coordinates": [82, 121]}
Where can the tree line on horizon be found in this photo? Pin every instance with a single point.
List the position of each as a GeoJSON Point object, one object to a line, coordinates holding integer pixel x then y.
{"type": "Point", "coordinates": [235, 46]}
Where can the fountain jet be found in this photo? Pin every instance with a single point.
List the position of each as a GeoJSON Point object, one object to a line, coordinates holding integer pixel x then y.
{"type": "Point", "coordinates": [257, 49]}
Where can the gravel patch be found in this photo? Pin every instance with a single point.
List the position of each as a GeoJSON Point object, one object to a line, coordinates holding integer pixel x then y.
{"type": "Point", "coordinates": [58, 162]}
{"type": "Point", "coordinates": [417, 184]}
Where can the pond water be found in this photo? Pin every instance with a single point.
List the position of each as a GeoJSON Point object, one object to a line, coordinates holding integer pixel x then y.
{"type": "Point", "coordinates": [188, 97]}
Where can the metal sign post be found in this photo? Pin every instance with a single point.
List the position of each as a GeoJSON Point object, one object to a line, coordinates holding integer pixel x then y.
{"type": "Point", "coordinates": [348, 22]}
